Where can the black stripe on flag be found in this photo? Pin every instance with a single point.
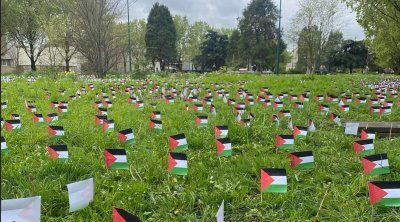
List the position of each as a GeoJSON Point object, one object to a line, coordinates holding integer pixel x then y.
{"type": "Point", "coordinates": [224, 140]}
{"type": "Point", "coordinates": [376, 157]}
{"type": "Point", "coordinates": [387, 184]}
{"type": "Point", "coordinates": [222, 127]}
{"type": "Point", "coordinates": [286, 136]}
{"type": "Point", "coordinates": [59, 147]}
{"type": "Point", "coordinates": [126, 131]}
{"type": "Point", "coordinates": [178, 156]}
{"type": "Point", "coordinates": [275, 172]}
{"type": "Point", "coordinates": [57, 128]}
{"type": "Point", "coordinates": [303, 153]}
{"type": "Point", "coordinates": [120, 152]}
{"type": "Point", "coordinates": [365, 142]}
{"type": "Point", "coordinates": [178, 136]}
{"type": "Point", "coordinates": [156, 121]}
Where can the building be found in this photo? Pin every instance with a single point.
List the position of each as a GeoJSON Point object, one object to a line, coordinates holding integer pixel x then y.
{"type": "Point", "coordinates": [294, 59]}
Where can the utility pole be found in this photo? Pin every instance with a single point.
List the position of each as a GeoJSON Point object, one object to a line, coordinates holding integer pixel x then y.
{"type": "Point", "coordinates": [279, 39]}
{"type": "Point", "coordinates": [129, 39]}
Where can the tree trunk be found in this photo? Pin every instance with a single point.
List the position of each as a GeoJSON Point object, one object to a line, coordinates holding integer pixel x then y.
{"type": "Point", "coordinates": [33, 64]}
{"type": "Point", "coordinates": [67, 64]}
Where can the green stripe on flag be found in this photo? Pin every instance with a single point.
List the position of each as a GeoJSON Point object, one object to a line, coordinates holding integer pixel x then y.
{"type": "Point", "coordinates": [379, 171]}
{"type": "Point", "coordinates": [286, 147]}
{"type": "Point", "coordinates": [226, 153]}
{"type": "Point", "coordinates": [179, 171]}
{"type": "Point", "coordinates": [276, 189]}
{"type": "Point", "coordinates": [119, 166]}
{"type": "Point", "coordinates": [181, 148]}
{"type": "Point", "coordinates": [309, 165]}
{"type": "Point", "coordinates": [390, 202]}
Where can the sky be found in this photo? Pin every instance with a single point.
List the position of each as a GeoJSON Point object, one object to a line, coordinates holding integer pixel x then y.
{"type": "Point", "coordinates": [224, 13]}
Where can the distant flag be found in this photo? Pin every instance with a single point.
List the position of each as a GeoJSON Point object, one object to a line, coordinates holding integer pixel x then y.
{"type": "Point", "coordinates": [116, 159]}
{"type": "Point", "coordinates": [361, 100]}
{"type": "Point", "coordinates": [169, 100]}
{"type": "Point", "coordinates": [250, 116]}
{"type": "Point", "coordinates": [284, 142]}
{"type": "Point", "coordinates": [284, 113]}
{"type": "Point", "coordinates": [302, 160]}
{"type": "Point", "coordinates": [155, 124]}
{"type": "Point", "coordinates": [224, 147]}
{"type": "Point", "coordinates": [12, 125]}
{"type": "Point", "coordinates": [324, 108]}
{"type": "Point", "coordinates": [277, 105]}
{"type": "Point", "coordinates": [364, 147]}
{"type": "Point", "coordinates": [201, 121]}
{"type": "Point", "coordinates": [38, 119]}
{"type": "Point", "coordinates": [198, 108]}
{"type": "Point", "coordinates": [385, 110]}
{"type": "Point", "coordinates": [319, 98]}
{"type": "Point", "coordinates": [245, 122]}
{"type": "Point", "coordinates": [335, 118]}
{"type": "Point", "coordinates": [108, 126]}
{"type": "Point", "coordinates": [80, 194]}
{"type": "Point", "coordinates": [15, 116]}
{"type": "Point", "coordinates": [3, 105]}
{"type": "Point", "coordinates": [177, 163]}
{"type": "Point", "coordinates": [213, 111]}
{"type": "Point", "coordinates": [31, 109]}
{"type": "Point", "coordinates": [267, 103]}
{"type": "Point", "coordinates": [58, 152]}
{"type": "Point", "coordinates": [384, 193]}
{"type": "Point", "coordinates": [126, 136]}
{"type": "Point", "coordinates": [221, 132]}
{"type": "Point", "coordinates": [367, 134]}
{"type": "Point", "coordinates": [311, 126]}
{"type": "Point", "coordinates": [178, 143]}
{"type": "Point", "coordinates": [275, 120]}
{"type": "Point", "coordinates": [220, 213]}
{"type": "Point", "coordinates": [374, 109]}
{"type": "Point", "coordinates": [99, 119]}
{"type": "Point", "coordinates": [344, 108]}
{"type": "Point", "coordinates": [372, 102]}
{"type": "Point", "coordinates": [55, 131]}
{"type": "Point", "coordinates": [290, 124]}
{"type": "Point", "coordinates": [108, 104]}
{"type": "Point", "coordinates": [155, 115]}
{"type": "Point", "coordinates": [120, 215]}
{"type": "Point", "coordinates": [273, 181]}
{"type": "Point", "coordinates": [21, 209]}
{"type": "Point", "coordinates": [4, 148]}
{"type": "Point", "coordinates": [238, 117]}
{"type": "Point", "coordinates": [102, 111]}
{"type": "Point", "coordinates": [300, 132]}
{"type": "Point", "coordinates": [298, 105]}
{"type": "Point", "coordinates": [375, 164]}
{"type": "Point", "coordinates": [52, 118]}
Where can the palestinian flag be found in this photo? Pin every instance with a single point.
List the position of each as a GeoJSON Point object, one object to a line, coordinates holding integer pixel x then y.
{"type": "Point", "coordinates": [58, 152]}
{"type": "Point", "coordinates": [311, 126]}
{"type": "Point", "coordinates": [177, 163]}
{"type": "Point", "coordinates": [198, 108]}
{"type": "Point", "coordinates": [38, 119]}
{"type": "Point", "coordinates": [63, 103]}
{"type": "Point", "coordinates": [323, 108]}
{"type": "Point", "coordinates": [344, 108]}
{"type": "Point", "coordinates": [332, 99]}
{"type": "Point", "coordinates": [385, 110]}
{"type": "Point", "coordinates": [99, 119]}
{"type": "Point", "coordinates": [55, 131]}
{"type": "Point", "coordinates": [178, 143]}
{"type": "Point", "coordinates": [132, 100]}
{"type": "Point", "coordinates": [155, 115]}
{"type": "Point", "coordinates": [231, 102]}
{"type": "Point", "coordinates": [374, 109]}
{"type": "Point", "coordinates": [15, 116]}
{"type": "Point", "coordinates": [31, 109]}
{"type": "Point", "coordinates": [304, 98]}
{"type": "Point", "coordinates": [361, 100]}
{"type": "Point", "coordinates": [193, 99]}
{"type": "Point", "coordinates": [275, 119]}
{"type": "Point", "coordinates": [4, 148]}
{"type": "Point", "coordinates": [372, 102]}
{"type": "Point", "coordinates": [54, 104]}
{"type": "Point", "coordinates": [155, 124]}
{"type": "Point", "coordinates": [116, 159]}
{"type": "Point", "coordinates": [298, 105]}
{"type": "Point", "coordinates": [120, 215]}
{"type": "Point", "coordinates": [108, 104]}
{"type": "Point", "coordinates": [52, 118]}
{"type": "Point", "coordinates": [62, 110]}
{"type": "Point", "coordinates": [126, 136]}
{"type": "Point", "coordinates": [3, 105]}
{"type": "Point", "coordinates": [98, 104]}
{"type": "Point", "coordinates": [224, 147]}
{"type": "Point", "coordinates": [293, 98]}
{"type": "Point", "coordinates": [347, 99]}
{"type": "Point", "coordinates": [364, 147]}
{"type": "Point", "coordinates": [12, 125]}
{"type": "Point", "coordinates": [102, 111]}
{"type": "Point", "coordinates": [375, 164]}
{"type": "Point", "coordinates": [284, 113]}
{"type": "Point", "coordinates": [319, 98]}
{"type": "Point", "coordinates": [202, 121]}
{"type": "Point", "coordinates": [284, 142]}
{"type": "Point", "coordinates": [139, 104]}
{"type": "Point", "coordinates": [241, 105]}
{"type": "Point", "coordinates": [384, 193]}
{"type": "Point", "coordinates": [302, 160]}
{"type": "Point", "coordinates": [388, 104]}
{"type": "Point", "coordinates": [108, 126]}
{"type": "Point", "coordinates": [277, 105]}
{"type": "Point", "coordinates": [300, 132]}
{"type": "Point", "coordinates": [267, 103]}
{"type": "Point", "coordinates": [273, 180]}
{"type": "Point", "coordinates": [221, 132]}
{"type": "Point", "coordinates": [238, 110]}
{"type": "Point", "coordinates": [245, 122]}
{"type": "Point", "coordinates": [367, 134]}
{"type": "Point", "coordinates": [169, 100]}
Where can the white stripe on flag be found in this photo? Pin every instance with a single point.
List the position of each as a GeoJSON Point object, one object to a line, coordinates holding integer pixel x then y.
{"type": "Point", "coordinates": [392, 193]}
{"type": "Point", "coordinates": [59, 133]}
{"type": "Point", "coordinates": [130, 136]}
{"type": "Point", "coordinates": [289, 141]}
{"type": "Point", "coordinates": [63, 154]}
{"type": "Point", "coordinates": [381, 163]}
{"type": "Point", "coordinates": [307, 159]}
{"type": "Point", "coordinates": [182, 142]}
{"type": "Point", "coordinates": [368, 146]}
{"type": "Point", "coordinates": [120, 158]}
{"type": "Point", "coordinates": [181, 163]}
{"type": "Point", "coordinates": [279, 180]}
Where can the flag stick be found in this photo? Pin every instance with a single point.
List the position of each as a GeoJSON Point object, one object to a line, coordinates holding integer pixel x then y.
{"type": "Point", "coordinates": [322, 202]}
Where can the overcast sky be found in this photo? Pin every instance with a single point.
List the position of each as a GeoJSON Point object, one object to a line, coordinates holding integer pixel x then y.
{"type": "Point", "coordinates": [224, 13]}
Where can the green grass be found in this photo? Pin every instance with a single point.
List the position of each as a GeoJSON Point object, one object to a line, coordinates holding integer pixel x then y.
{"type": "Point", "coordinates": [147, 190]}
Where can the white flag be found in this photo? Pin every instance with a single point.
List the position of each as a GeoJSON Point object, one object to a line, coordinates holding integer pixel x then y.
{"type": "Point", "coordinates": [80, 194]}
{"type": "Point", "coordinates": [21, 210]}
{"type": "Point", "coordinates": [351, 129]}
{"type": "Point", "coordinates": [220, 213]}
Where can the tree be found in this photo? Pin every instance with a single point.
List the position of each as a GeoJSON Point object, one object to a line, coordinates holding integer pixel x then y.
{"type": "Point", "coordinates": [96, 39]}
{"type": "Point", "coordinates": [333, 45]}
{"type": "Point", "coordinates": [381, 23]}
{"type": "Point", "coordinates": [258, 30]}
{"type": "Point", "coordinates": [196, 36]}
{"type": "Point", "coordinates": [234, 58]}
{"type": "Point", "coordinates": [353, 54]}
{"type": "Point", "coordinates": [138, 33]}
{"type": "Point", "coordinates": [27, 29]}
{"type": "Point", "coordinates": [315, 17]}
{"type": "Point", "coordinates": [160, 36]}
{"type": "Point", "coordinates": [182, 30]}
{"type": "Point", "coordinates": [308, 45]}
{"type": "Point", "coordinates": [213, 51]}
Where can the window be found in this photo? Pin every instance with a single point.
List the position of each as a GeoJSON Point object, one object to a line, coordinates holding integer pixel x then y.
{"type": "Point", "coordinates": [6, 62]}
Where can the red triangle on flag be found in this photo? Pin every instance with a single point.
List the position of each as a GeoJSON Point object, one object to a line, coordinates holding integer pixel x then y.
{"type": "Point", "coordinates": [35, 119]}
{"type": "Point", "coordinates": [122, 137]}
{"type": "Point", "coordinates": [296, 131]}
{"type": "Point", "coordinates": [117, 217]}
{"type": "Point", "coordinates": [294, 160]}
{"type": "Point", "coordinates": [173, 143]}
{"type": "Point", "coordinates": [217, 132]}
{"type": "Point", "coordinates": [9, 126]}
{"type": "Point", "coordinates": [358, 148]}
{"type": "Point", "coordinates": [279, 141]}
{"type": "Point", "coordinates": [198, 120]}
{"type": "Point", "coordinates": [105, 126]}
{"type": "Point", "coordinates": [109, 158]}
{"type": "Point", "coordinates": [364, 135]}
{"type": "Point", "coordinates": [48, 119]}
{"type": "Point", "coordinates": [266, 180]}
{"type": "Point", "coordinates": [375, 193]}
{"type": "Point", "coordinates": [220, 147]}
{"type": "Point", "coordinates": [152, 125]}
{"type": "Point", "coordinates": [51, 132]}
{"type": "Point", "coordinates": [53, 154]}
{"type": "Point", "coordinates": [368, 166]}
{"type": "Point", "coordinates": [171, 162]}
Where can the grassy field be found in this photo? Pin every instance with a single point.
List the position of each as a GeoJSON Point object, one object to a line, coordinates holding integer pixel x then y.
{"type": "Point", "coordinates": [148, 191]}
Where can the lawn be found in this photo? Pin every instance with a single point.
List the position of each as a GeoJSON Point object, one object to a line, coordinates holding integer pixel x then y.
{"type": "Point", "coordinates": [147, 190]}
